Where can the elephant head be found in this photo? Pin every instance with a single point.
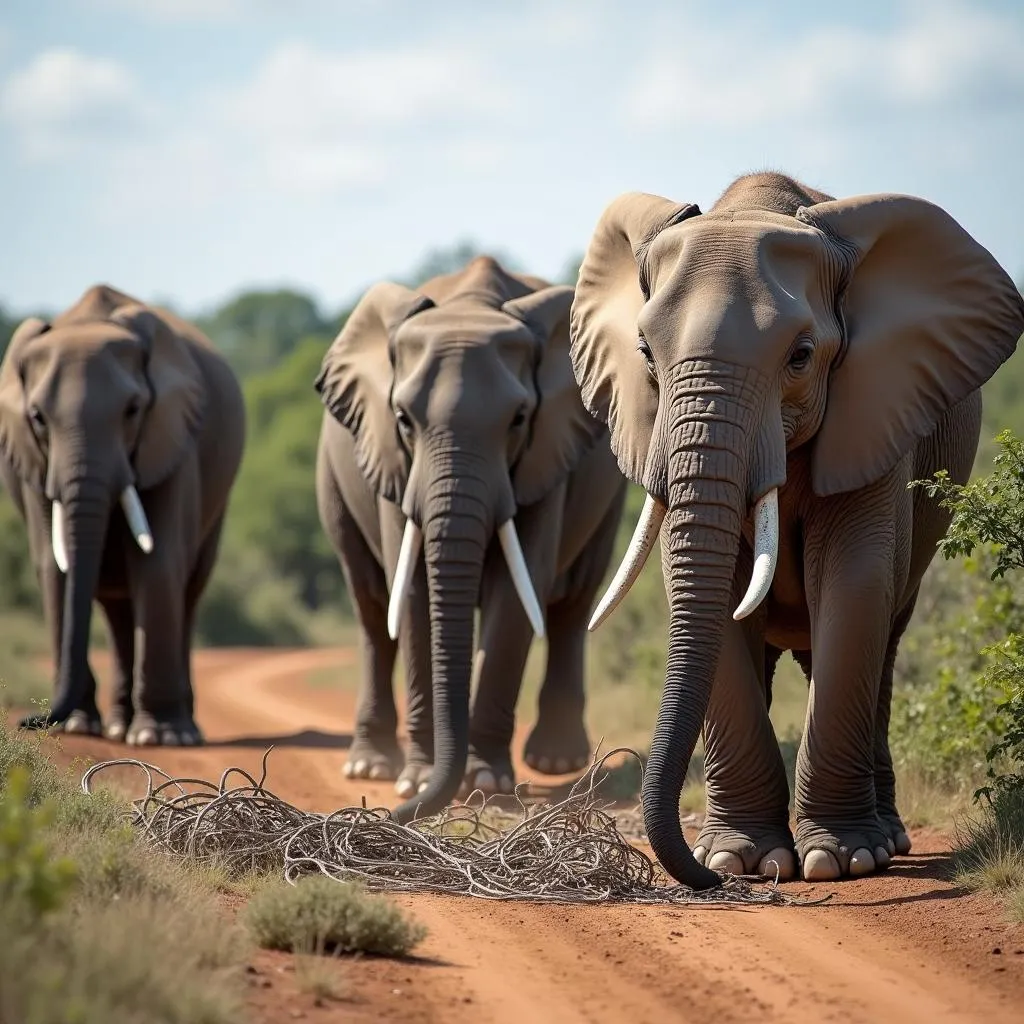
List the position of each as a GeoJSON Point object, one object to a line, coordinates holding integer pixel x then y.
{"type": "Point", "coordinates": [714, 344]}
{"type": "Point", "coordinates": [463, 407]}
{"type": "Point", "coordinates": [94, 407]}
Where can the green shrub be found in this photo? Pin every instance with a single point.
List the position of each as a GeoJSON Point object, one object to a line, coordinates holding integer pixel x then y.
{"type": "Point", "coordinates": [30, 877]}
{"type": "Point", "coordinates": [320, 915]}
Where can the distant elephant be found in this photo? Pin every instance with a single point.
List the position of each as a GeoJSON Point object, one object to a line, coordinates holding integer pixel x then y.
{"type": "Point", "coordinates": [121, 431]}
{"type": "Point", "coordinates": [455, 428]}
{"type": "Point", "coordinates": [774, 372]}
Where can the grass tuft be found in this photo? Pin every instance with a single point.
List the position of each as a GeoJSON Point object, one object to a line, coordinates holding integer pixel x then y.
{"type": "Point", "coordinates": [988, 852]}
{"type": "Point", "coordinates": [319, 977]}
{"type": "Point", "coordinates": [320, 915]}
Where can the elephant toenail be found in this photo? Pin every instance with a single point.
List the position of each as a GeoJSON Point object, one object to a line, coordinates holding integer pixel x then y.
{"type": "Point", "coordinates": [726, 861]}
{"type": "Point", "coordinates": [820, 866]}
{"type": "Point", "coordinates": [405, 787]}
{"type": "Point", "coordinates": [379, 771]}
{"type": "Point", "coordinates": [347, 770]}
{"type": "Point", "coordinates": [422, 786]}
{"type": "Point", "coordinates": [507, 785]}
{"type": "Point", "coordinates": [780, 862]}
{"type": "Point", "coordinates": [562, 765]}
{"type": "Point", "coordinates": [902, 843]}
{"type": "Point", "coordinates": [146, 738]}
{"type": "Point", "coordinates": [700, 853]}
{"type": "Point", "coordinates": [544, 764]}
{"type": "Point", "coordinates": [484, 781]}
{"type": "Point", "coordinates": [882, 858]}
{"type": "Point", "coordinates": [890, 847]}
{"type": "Point", "coordinates": [116, 732]}
{"type": "Point", "coordinates": [861, 863]}
{"type": "Point", "coordinates": [359, 769]}
{"type": "Point", "coordinates": [169, 738]}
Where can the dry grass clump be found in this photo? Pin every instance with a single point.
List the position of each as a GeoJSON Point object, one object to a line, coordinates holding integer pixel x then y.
{"type": "Point", "coordinates": [321, 915]}
{"type": "Point", "coordinates": [126, 935]}
{"type": "Point", "coordinates": [988, 853]}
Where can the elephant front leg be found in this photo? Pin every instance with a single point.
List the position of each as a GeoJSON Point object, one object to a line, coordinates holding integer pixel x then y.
{"type": "Point", "coordinates": [121, 623]}
{"type": "Point", "coordinates": [839, 832]}
{"type": "Point", "coordinates": [746, 827]}
{"type": "Point", "coordinates": [85, 719]}
{"type": "Point", "coordinates": [161, 713]}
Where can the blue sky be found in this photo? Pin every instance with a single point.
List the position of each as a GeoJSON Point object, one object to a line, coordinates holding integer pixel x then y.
{"type": "Point", "coordinates": [184, 149]}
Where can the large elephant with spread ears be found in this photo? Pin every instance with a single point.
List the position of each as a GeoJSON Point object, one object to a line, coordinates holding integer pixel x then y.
{"type": "Point", "coordinates": [458, 469]}
{"type": "Point", "coordinates": [121, 431]}
{"type": "Point", "coordinates": [775, 372]}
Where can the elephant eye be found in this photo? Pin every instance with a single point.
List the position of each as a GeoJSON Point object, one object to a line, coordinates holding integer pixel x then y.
{"type": "Point", "coordinates": [800, 357]}
{"type": "Point", "coordinates": [133, 409]}
{"type": "Point", "coordinates": [37, 419]}
{"type": "Point", "coordinates": [520, 418]}
{"type": "Point", "coordinates": [645, 350]}
{"type": "Point", "coordinates": [404, 421]}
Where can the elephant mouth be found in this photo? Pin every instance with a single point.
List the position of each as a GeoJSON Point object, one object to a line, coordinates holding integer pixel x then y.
{"type": "Point", "coordinates": [409, 552]}
{"type": "Point", "coordinates": [134, 513]}
{"type": "Point", "coordinates": [645, 536]}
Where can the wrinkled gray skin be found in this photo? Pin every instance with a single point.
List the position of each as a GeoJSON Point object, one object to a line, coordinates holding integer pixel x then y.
{"type": "Point", "coordinates": [455, 406]}
{"type": "Point", "coordinates": [832, 350]}
{"type": "Point", "coordinates": [113, 393]}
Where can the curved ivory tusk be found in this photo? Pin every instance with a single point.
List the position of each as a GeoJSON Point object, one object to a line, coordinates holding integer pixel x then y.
{"type": "Point", "coordinates": [60, 548]}
{"type": "Point", "coordinates": [652, 515]}
{"type": "Point", "coordinates": [136, 516]}
{"type": "Point", "coordinates": [766, 553]}
{"type": "Point", "coordinates": [412, 541]}
{"type": "Point", "coordinates": [521, 575]}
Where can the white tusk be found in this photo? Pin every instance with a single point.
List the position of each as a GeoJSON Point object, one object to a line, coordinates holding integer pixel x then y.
{"type": "Point", "coordinates": [60, 548]}
{"type": "Point", "coordinates": [136, 516]}
{"type": "Point", "coordinates": [412, 541]}
{"type": "Point", "coordinates": [640, 546]}
{"type": "Point", "coordinates": [766, 553]}
{"type": "Point", "coordinates": [521, 575]}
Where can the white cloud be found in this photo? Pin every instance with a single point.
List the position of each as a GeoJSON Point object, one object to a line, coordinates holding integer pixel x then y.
{"type": "Point", "coordinates": [64, 99]}
{"type": "Point", "coordinates": [318, 120]}
{"type": "Point", "coordinates": [946, 54]}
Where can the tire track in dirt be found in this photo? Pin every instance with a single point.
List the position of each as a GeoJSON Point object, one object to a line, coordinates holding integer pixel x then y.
{"type": "Point", "coordinates": [903, 946]}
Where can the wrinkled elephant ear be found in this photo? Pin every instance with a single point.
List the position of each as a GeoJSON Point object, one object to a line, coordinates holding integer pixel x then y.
{"type": "Point", "coordinates": [18, 444]}
{"type": "Point", "coordinates": [562, 430]}
{"type": "Point", "coordinates": [930, 316]}
{"type": "Point", "coordinates": [177, 395]}
{"type": "Point", "coordinates": [609, 295]}
{"type": "Point", "coordinates": [355, 380]}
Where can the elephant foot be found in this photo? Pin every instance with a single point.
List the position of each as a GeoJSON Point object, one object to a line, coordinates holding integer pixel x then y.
{"type": "Point", "coordinates": [82, 723]}
{"type": "Point", "coordinates": [413, 778]}
{"type": "Point", "coordinates": [147, 730]}
{"type": "Point", "coordinates": [374, 759]}
{"type": "Point", "coordinates": [828, 854]}
{"type": "Point", "coordinates": [758, 851]}
{"type": "Point", "coordinates": [488, 774]}
{"type": "Point", "coordinates": [116, 728]}
{"type": "Point", "coordinates": [897, 840]}
{"type": "Point", "coordinates": [558, 744]}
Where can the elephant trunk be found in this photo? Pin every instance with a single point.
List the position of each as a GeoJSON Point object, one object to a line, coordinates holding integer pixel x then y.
{"type": "Point", "coordinates": [708, 491]}
{"type": "Point", "coordinates": [457, 524]}
{"type": "Point", "coordinates": [86, 513]}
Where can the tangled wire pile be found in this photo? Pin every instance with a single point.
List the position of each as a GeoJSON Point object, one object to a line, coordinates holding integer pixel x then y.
{"type": "Point", "coordinates": [567, 852]}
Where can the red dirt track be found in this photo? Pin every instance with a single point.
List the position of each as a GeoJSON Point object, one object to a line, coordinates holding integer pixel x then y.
{"type": "Point", "coordinates": [902, 947]}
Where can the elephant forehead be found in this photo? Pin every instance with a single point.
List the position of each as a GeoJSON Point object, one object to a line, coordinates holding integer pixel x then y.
{"type": "Point", "coordinates": [81, 342]}
{"type": "Point", "coordinates": [435, 331]}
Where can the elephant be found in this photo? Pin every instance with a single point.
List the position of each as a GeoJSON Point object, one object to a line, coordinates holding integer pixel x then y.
{"type": "Point", "coordinates": [775, 372]}
{"type": "Point", "coordinates": [121, 432]}
{"type": "Point", "coordinates": [456, 461]}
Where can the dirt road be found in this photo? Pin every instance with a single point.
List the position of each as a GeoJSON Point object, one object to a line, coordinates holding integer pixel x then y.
{"type": "Point", "coordinates": [903, 947]}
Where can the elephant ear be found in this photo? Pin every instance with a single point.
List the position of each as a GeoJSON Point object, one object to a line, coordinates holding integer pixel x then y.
{"type": "Point", "coordinates": [355, 381]}
{"type": "Point", "coordinates": [610, 293]}
{"type": "Point", "coordinates": [562, 430]}
{"type": "Point", "coordinates": [18, 443]}
{"type": "Point", "coordinates": [177, 395]}
{"type": "Point", "coordinates": [929, 316]}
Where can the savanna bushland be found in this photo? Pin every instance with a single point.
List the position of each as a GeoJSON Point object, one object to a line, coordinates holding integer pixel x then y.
{"type": "Point", "coordinates": [278, 583]}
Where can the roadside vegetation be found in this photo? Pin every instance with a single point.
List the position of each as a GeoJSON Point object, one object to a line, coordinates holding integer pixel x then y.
{"type": "Point", "coordinates": [97, 926]}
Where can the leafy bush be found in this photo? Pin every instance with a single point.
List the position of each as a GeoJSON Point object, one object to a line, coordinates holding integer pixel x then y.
{"type": "Point", "coordinates": [30, 877]}
{"type": "Point", "coordinates": [321, 915]}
